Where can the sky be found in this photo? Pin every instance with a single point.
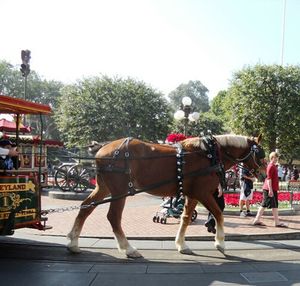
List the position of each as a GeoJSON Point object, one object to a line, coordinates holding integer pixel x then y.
{"type": "Point", "coordinates": [163, 43]}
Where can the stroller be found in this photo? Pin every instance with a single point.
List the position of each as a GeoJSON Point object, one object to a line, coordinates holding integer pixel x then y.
{"type": "Point", "coordinates": [172, 207]}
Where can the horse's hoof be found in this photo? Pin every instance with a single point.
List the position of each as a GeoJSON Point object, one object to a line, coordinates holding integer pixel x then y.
{"type": "Point", "coordinates": [220, 248]}
{"type": "Point", "coordinates": [186, 251]}
{"type": "Point", "coordinates": [134, 254]}
{"type": "Point", "coordinates": [74, 249]}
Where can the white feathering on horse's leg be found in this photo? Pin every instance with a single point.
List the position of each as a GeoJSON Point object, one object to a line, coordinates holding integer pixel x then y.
{"type": "Point", "coordinates": [72, 246]}
{"type": "Point", "coordinates": [182, 247]}
{"type": "Point", "coordinates": [125, 247]}
{"type": "Point", "coordinates": [220, 238]}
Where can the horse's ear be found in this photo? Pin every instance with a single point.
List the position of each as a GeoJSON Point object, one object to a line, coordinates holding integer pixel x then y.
{"type": "Point", "coordinates": [258, 139]}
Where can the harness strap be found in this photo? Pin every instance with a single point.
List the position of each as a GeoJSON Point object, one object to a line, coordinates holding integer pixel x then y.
{"type": "Point", "coordinates": [179, 172]}
{"type": "Point", "coordinates": [126, 170]}
{"type": "Point", "coordinates": [214, 154]}
{"type": "Point", "coordinates": [200, 172]}
{"type": "Point", "coordinates": [212, 151]}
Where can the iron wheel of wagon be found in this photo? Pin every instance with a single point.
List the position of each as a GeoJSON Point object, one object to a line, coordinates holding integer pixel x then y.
{"type": "Point", "coordinates": [79, 178]}
{"type": "Point", "coordinates": [61, 177]}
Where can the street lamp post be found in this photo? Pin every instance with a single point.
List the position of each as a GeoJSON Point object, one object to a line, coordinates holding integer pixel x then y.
{"type": "Point", "coordinates": [25, 70]}
{"type": "Point", "coordinates": [185, 113]}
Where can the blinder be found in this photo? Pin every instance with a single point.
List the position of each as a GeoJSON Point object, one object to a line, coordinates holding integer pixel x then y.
{"type": "Point", "coordinates": [257, 154]}
{"type": "Point", "coordinates": [259, 151]}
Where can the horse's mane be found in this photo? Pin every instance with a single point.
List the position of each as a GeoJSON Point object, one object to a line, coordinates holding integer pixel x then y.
{"type": "Point", "coordinates": [226, 140]}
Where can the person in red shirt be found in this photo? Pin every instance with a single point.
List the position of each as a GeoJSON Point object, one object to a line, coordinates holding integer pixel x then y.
{"type": "Point", "coordinates": [270, 193]}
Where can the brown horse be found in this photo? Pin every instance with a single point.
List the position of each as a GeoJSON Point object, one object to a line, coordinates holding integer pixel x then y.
{"type": "Point", "coordinates": [128, 166]}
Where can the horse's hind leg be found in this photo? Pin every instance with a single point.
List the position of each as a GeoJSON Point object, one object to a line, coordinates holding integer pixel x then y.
{"type": "Point", "coordinates": [185, 220]}
{"type": "Point", "coordinates": [114, 216]}
{"type": "Point", "coordinates": [73, 236]}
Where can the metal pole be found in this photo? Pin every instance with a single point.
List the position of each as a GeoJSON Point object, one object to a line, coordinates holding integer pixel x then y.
{"type": "Point", "coordinates": [25, 96]}
{"type": "Point", "coordinates": [187, 111]}
{"type": "Point", "coordinates": [25, 70]}
{"type": "Point", "coordinates": [17, 138]}
{"type": "Point", "coordinates": [283, 32]}
{"type": "Point", "coordinates": [185, 126]}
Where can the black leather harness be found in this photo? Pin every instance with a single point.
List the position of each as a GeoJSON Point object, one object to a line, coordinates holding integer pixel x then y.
{"type": "Point", "coordinates": [212, 153]}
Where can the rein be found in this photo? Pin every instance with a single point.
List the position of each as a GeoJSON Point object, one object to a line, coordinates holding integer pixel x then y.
{"type": "Point", "coordinates": [212, 153]}
{"type": "Point", "coordinates": [239, 162]}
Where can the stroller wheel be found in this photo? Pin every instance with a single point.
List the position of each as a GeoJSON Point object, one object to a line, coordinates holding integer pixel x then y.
{"type": "Point", "coordinates": [194, 215]}
{"type": "Point", "coordinates": [163, 220]}
{"type": "Point", "coordinates": [157, 219]}
{"type": "Point", "coordinates": [154, 218]}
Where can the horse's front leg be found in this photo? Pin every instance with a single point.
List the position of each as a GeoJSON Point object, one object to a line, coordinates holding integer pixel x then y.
{"type": "Point", "coordinates": [220, 235]}
{"type": "Point", "coordinates": [185, 220]}
{"type": "Point", "coordinates": [114, 216]}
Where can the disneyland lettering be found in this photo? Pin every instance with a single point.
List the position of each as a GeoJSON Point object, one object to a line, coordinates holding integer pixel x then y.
{"type": "Point", "coordinates": [12, 187]}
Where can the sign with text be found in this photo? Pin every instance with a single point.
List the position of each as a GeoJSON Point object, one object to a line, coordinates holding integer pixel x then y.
{"type": "Point", "coordinates": [19, 194]}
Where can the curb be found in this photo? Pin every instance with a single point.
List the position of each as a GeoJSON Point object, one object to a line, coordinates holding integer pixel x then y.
{"type": "Point", "coordinates": [229, 237]}
{"type": "Point", "coordinates": [55, 193]}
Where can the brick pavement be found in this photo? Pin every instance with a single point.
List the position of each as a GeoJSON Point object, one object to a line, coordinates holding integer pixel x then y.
{"type": "Point", "coordinates": [138, 223]}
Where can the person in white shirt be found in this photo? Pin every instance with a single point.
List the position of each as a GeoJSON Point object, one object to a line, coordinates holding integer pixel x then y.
{"type": "Point", "coordinates": [280, 172]}
{"type": "Point", "coordinates": [10, 152]}
{"type": "Point", "coordinates": [9, 161]}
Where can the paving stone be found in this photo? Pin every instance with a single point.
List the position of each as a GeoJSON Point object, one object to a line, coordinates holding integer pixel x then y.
{"type": "Point", "coordinates": [262, 277]}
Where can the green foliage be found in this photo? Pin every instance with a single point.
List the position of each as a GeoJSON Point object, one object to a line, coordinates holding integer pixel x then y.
{"type": "Point", "coordinates": [193, 89]}
{"type": "Point", "coordinates": [266, 99]}
{"type": "Point", "coordinates": [38, 90]}
{"type": "Point", "coordinates": [200, 103]}
{"type": "Point", "coordinates": [207, 121]}
{"type": "Point", "coordinates": [106, 108]}
{"type": "Point", "coordinates": [219, 107]}
{"type": "Point", "coordinates": [11, 82]}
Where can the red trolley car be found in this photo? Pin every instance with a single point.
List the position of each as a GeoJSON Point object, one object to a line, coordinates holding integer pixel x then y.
{"type": "Point", "coordinates": [20, 189]}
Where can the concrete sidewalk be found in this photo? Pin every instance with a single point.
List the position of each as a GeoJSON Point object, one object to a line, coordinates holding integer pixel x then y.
{"type": "Point", "coordinates": [254, 255]}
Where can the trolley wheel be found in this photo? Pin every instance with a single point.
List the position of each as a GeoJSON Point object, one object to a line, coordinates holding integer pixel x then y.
{"type": "Point", "coordinates": [61, 177]}
{"type": "Point", "coordinates": [163, 220]}
{"type": "Point", "coordinates": [154, 218]}
{"type": "Point", "coordinates": [157, 219]}
{"type": "Point", "coordinates": [194, 215]}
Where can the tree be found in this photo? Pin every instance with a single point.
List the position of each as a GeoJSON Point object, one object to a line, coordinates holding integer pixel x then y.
{"type": "Point", "coordinates": [106, 108]}
{"type": "Point", "coordinates": [193, 89]}
{"type": "Point", "coordinates": [219, 108]}
{"type": "Point", "coordinates": [38, 90]}
{"type": "Point", "coordinates": [266, 99]}
{"type": "Point", "coordinates": [207, 121]}
{"type": "Point", "coordinates": [10, 80]}
{"type": "Point", "coordinates": [200, 103]}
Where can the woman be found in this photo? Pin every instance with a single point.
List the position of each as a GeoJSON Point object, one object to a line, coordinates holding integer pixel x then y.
{"type": "Point", "coordinates": [9, 161]}
{"type": "Point", "coordinates": [270, 193]}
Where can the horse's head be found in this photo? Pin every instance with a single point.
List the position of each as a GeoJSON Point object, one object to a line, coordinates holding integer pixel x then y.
{"type": "Point", "coordinates": [256, 160]}
{"type": "Point", "coordinates": [242, 149]}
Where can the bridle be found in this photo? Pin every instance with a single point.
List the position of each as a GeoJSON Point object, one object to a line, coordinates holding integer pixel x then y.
{"type": "Point", "coordinates": [256, 153]}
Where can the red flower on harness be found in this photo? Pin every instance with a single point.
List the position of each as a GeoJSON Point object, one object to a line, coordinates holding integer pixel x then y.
{"type": "Point", "coordinates": [175, 137]}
